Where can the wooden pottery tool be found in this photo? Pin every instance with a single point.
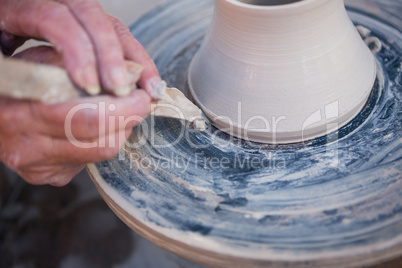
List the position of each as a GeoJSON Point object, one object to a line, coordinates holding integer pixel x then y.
{"type": "Point", "coordinates": [40, 82]}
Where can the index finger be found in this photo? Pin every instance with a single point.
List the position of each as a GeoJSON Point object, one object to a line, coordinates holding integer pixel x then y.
{"type": "Point", "coordinates": [150, 79]}
{"type": "Point", "coordinates": [109, 53]}
{"type": "Point", "coordinates": [53, 22]}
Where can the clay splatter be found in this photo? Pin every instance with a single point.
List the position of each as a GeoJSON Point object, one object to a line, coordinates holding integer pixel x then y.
{"type": "Point", "coordinates": [331, 201]}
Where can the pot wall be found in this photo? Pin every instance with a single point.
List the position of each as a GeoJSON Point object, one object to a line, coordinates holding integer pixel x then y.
{"type": "Point", "coordinates": [263, 72]}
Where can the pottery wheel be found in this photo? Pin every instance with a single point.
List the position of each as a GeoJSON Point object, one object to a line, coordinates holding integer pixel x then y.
{"type": "Point", "coordinates": [335, 201]}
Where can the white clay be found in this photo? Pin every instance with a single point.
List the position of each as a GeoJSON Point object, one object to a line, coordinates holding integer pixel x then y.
{"type": "Point", "coordinates": [363, 31]}
{"type": "Point", "coordinates": [174, 104]}
{"type": "Point", "coordinates": [281, 73]}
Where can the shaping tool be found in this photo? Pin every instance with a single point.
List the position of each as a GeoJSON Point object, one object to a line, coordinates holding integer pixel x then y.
{"type": "Point", "coordinates": [50, 84]}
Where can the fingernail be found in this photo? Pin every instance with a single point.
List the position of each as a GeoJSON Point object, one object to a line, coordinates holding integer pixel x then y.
{"type": "Point", "coordinates": [122, 91]}
{"type": "Point", "coordinates": [156, 88]}
{"type": "Point", "coordinates": [131, 65]}
{"type": "Point", "coordinates": [93, 90]}
{"type": "Point", "coordinates": [134, 71]}
{"type": "Point", "coordinates": [89, 80]}
{"type": "Point", "coordinates": [118, 76]}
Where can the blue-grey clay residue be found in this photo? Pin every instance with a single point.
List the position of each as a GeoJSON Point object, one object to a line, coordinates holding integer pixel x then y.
{"type": "Point", "coordinates": [338, 192]}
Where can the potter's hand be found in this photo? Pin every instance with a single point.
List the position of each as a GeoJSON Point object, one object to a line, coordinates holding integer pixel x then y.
{"type": "Point", "coordinates": [93, 45]}
{"type": "Point", "coordinates": [49, 144]}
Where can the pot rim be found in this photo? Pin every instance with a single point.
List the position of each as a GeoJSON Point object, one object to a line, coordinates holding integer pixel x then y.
{"type": "Point", "coordinates": [289, 6]}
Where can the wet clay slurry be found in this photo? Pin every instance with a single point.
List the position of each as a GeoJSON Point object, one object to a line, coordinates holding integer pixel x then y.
{"type": "Point", "coordinates": [335, 201]}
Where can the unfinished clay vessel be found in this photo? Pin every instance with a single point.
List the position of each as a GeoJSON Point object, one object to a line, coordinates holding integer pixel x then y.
{"type": "Point", "coordinates": [281, 71]}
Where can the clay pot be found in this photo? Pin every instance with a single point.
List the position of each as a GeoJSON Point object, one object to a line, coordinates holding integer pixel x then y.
{"type": "Point", "coordinates": [281, 71]}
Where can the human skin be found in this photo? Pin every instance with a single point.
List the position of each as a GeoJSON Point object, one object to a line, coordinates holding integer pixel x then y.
{"type": "Point", "coordinates": [92, 47]}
